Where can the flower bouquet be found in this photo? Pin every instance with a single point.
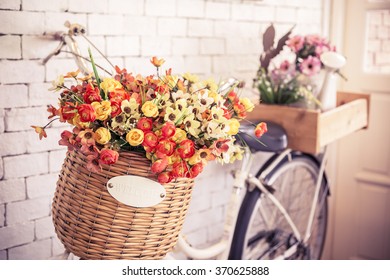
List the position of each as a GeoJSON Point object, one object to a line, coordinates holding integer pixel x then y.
{"type": "Point", "coordinates": [290, 72]}
{"type": "Point", "coordinates": [165, 128]}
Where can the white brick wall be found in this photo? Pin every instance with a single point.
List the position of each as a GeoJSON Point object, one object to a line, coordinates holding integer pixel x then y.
{"type": "Point", "coordinates": [377, 51]}
{"type": "Point", "coordinates": [217, 38]}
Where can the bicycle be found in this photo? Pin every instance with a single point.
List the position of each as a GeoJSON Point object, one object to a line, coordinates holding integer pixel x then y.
{"type": "Point", "coordinates": [280, 213]}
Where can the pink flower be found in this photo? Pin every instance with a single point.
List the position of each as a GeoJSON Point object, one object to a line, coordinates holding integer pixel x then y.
{"type": "Point", "coordinates": [310, 66]}
{"type": "Point", "coordinates": [314, 39]}
{"type": "Point", "coordinates": [67, 139]}
{"type": "Point", "coordinates": [93, 164]}
{"type": "Point", "coordinates": [89, 150]}
{"type": "Point", "coordinates": [321, 49]}
{"type": "Point", "coordinates": [284, 66]}
{"type": "Point", "coordinates": [295, 43]}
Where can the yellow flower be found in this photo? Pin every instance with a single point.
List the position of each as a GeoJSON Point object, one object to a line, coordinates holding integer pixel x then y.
{"type": "Point", "coordinates": [247, 104]}
{"type": "Point", "coordinates": [58, 83]}
{"type": "Point", "coordinates": [77, 122]}
{"type": "Point", "coordinates": [191, 125]}
{"type": "Point", "coordinates": [135, 137]}
{"type": "Point", "coordinates": [236, 155]}
{"type": "Point", "coordinates": [150, 109]}
{"type": "Point", "coordinates": [102, 135]}
{"type": "Point", "coordinates": [217, 97]}
{"type": "Point", "coordinates": [173, 115]}
{"type": "Point", "coordinates": [191, 78]}
{"type": "Point", "coordinates": [102, 110]}
{"type": "Point", "coordinates": [211, 85]}
{"type": "Point", "coordinates": [234, 125]}
{"type": "Point", "coordinates": [179, 136]}
{"type": "Point", "coordinates": [110, 84]}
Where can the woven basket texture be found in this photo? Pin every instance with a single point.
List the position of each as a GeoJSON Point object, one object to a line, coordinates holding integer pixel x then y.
{"type": "Point", "coordinates": [93, 225]}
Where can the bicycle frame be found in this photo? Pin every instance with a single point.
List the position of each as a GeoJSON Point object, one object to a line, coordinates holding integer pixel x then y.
{"type": "Point", "coordinates": [243, 180]}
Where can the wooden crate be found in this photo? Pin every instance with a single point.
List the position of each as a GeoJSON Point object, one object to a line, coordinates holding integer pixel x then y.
{"type": "Point", "coordinates": [309, 130]}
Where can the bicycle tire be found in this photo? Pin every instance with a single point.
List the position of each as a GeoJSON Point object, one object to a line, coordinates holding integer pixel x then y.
{"type": "Point", "coordinates": [246, 236]}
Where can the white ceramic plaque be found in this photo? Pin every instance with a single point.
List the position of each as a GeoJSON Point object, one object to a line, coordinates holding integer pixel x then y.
{"type": "Point", "coordinates": [136, 191]}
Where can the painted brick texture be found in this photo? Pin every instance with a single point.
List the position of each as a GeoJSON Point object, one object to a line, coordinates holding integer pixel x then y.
{"type": "Point", "coordinates": [212, 38]}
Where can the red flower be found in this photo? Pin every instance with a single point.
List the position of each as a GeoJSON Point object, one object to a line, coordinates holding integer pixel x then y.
{"type": "Point", "coordinates": [186, 148]}
{"type": "Point", "coordinates": [196, 170]}
{"type": "Point", "coordinates": [227, 114]}
{"type": "Point", "coordinates": [180, 169]}
{"type": "Point", "coordinates": [86, 112]}
{"type": "Point", "coordinates": [260, 129]}
{"type": "Point", "coordinates": [159, 165]}
{"type": "Point", "coordinates": [165, 148]}
{"type": "Point", "coordinates": [220, 146]}
{"type": "Point", "coordinates": [108, 156]}
{"type": "Point", "coordinates": [91, 94]}
{"type": "Point", "coordinates": [232, 96]}
{"type": "Point", "coordinates": [150, 140]}
{"type": "Point", "coordinates": [115, 108]}
{"type": "Point", "coordinates": [67, 112]}
{"type": "Point", "coordinates": [164, 178]}
{"type": "Point", "coordinates": [240, 110]}
{"type": "Point", "coordinates": [168, 129]}
{"type": "Point", "coordinates": [145, 124]}
{"type": "Point", "coordinates": [52, 110]}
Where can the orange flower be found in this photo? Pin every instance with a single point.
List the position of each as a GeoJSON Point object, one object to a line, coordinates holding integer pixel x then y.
{"type": "Point", "coordinates": [260, 129]}
{"type": "Point", "coordinates": [40, 130]}
{"type": "Point", "coordinates": [72, 74]}
{"type": "Point", "coordinates": [164, 177]}
{"type": "Point", "coordinates": [157, 62]}
{"type": "Point", "coordinates": [159, 165]}
{"type": "Point", "coordinates": [180, 169]}
{"type": "Point", "coordinates": [119, 95]}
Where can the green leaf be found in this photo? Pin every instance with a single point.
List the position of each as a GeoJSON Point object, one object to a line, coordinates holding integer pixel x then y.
{"type": "Point", "coordinates": [102, 93]}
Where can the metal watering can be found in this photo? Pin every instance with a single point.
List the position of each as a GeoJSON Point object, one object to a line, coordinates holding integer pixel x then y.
{"type": "Point", "coordinates": [333, 61]}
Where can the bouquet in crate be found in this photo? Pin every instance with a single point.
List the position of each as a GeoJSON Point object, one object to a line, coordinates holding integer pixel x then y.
{"type": "Point", "coordinates": [290, 71]}
{"type": "Point", "coordinates": [165, 128]}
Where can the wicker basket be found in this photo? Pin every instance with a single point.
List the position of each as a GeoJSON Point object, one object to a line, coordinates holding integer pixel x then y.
{"type": "Point", "coordinates": [93, 225]}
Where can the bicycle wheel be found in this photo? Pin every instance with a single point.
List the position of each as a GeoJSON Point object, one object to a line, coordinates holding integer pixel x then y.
{"type": "Point", "coordinates": [262, 231]}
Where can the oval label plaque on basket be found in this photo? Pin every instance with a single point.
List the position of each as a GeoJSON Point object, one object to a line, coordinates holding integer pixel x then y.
{"type": "Point", "coordinates": [136, 191]}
